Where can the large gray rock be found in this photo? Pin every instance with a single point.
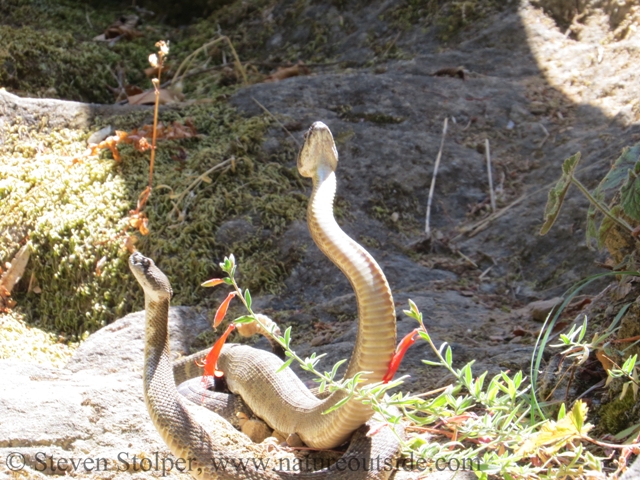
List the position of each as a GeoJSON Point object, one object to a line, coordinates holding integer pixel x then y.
{"type": "Point", "coordinates": [91, 409]}
{"type": "Point", "coordinates": [120, 345]}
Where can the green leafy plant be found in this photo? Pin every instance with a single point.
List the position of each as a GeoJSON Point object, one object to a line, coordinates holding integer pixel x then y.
{"type": "Point", "coordinates": [575, 346]}
{"type": "Point", "coordinates": [487, 426]}
{"type": "Point", "coordinates": [621, 182]}
{"type": "Point", "coordinates": [613, 216]}
{"type": "Point", "coordinates": [614, 180]}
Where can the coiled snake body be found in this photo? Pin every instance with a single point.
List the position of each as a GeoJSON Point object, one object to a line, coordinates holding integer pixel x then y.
{"type": "Point", "coordinates": [281, 399]}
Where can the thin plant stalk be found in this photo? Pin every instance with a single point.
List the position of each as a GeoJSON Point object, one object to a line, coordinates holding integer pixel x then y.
{"type": "Point", "coordinates": [604, 210]}
{"type": "Point", "coordinates": [187, 61]}
{"type": "Point", "coordinates": [277, 121]}
{"type": "Point", "coordinates": [157, 62]}
{"type": "Point", "coordinates": [427, 229]}
{"type": "Point", "coordinates": [492, 195]}
{"type": "Point", "coordinates": [156, 84]}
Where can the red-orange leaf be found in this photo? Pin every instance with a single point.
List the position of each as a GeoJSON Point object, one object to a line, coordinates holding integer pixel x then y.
{"type": "Point", "coordinates": [404, 345]}
{"type": "Point", "coordinates": [211, 360]}
{"type": "Point", "coordinates": [222, 309]}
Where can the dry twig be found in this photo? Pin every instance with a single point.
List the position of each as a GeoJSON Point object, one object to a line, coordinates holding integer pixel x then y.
{"type": "Point", "coordinates": [491, 192]}
{"type": "Point", "coordinates": [427, 230]}
{"type": "Point", "coordinates": [277, 121]}
{"type": "Point", "coordinates": [138, 218]}
{"type": "Point", "coordinates": [187, 61]}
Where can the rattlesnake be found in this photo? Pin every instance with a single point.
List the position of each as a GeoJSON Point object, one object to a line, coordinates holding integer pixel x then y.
{"type": "Point", "coordinates": [281, 399]}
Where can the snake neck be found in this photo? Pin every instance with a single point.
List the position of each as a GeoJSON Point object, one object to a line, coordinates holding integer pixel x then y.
{"type": "Point", "coordinates": [376, 337]}
{"type": "Point", "coordinates": [158, 371]}
{"type": "Point", "coordinates": [171, 419]}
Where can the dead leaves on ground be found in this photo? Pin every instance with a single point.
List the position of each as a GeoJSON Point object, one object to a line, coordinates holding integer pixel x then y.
{"type": "Point", "coordinates": [137, 218]}
{"type": "Point", "coordinates": [166, 96]}
{"type": "Point", "coordinates": [173, 131]}
{"type": "Point", "coordinates": [139, 221]}
{"type": "Point", "coordinates": [11, 276]}
{"type": "Point", "coordinates": [554, 436]}
{"type": "Point", "coordinates": [287, 72]}
{"type": "Point", "coordinates": [140, 137]}
{"type": "Point", "coordinates": [153, 72]}
{"type": "Point", "coordinates": [124, 27]}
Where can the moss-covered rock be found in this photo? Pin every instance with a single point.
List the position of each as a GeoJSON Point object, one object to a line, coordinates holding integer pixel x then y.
{"type": "Point", "coordinates": [74, 213]}
{"type": "Point", "coordinates": [617, 415]}
{"type": "Point", "coordinates": [47, 50]}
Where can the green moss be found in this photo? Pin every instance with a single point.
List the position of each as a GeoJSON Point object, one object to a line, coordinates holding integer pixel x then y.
{"type": "Point", "coordinates": [459, 14]}
{"type": "Point", "coordinates": [390, 198]}
{"type": "Point", "coordinates": [449, 16]}
{"type": "Point", "coordinates": [616, 416]}
{"type": "Point", "coordinates": [71, 214]}
{"type": "Point", "coordinates": [74, 215]}
{"type": "Point", "coordinates": [19, 341]}
{"type": "Point", "coordinates": [406, 14]}
{"type": "Point", "coordinates": [53, 64]}
{"type": "Point", "coordinates": [250, 25]}
{"type": "Point", "coordinates": [231, 20]}
{"type": "Point", "coordinates": [81, 20]}
{"type": "Point", "coordinates": [183, 235]}
{"type": "Point", "coordinates": [47, 50]}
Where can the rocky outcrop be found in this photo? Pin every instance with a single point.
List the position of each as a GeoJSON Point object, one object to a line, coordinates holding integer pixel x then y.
{"type": "Point", "coordinates": [89, 418]}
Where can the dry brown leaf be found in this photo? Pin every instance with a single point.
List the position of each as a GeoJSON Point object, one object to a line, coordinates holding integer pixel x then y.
{"type": "Point", "coordinates": [144, 226]}
{"type": "Point", "coordinates": [130, 242]}
{"type": "Point", "coordinates": [110, 143]}
{"type": "Point", "coordinates": [450, 72]}
{"type": "Point", "coordinates": [124, 27]}
{"type": "Point", "coordinates": [606, 362]}
{"type": "Point", "coordinates": [142, 145]}
{"type": "Point", "coordinates": [521, 332]}
{"type": "Point", "coordinates": [167, 97]}
{"type": "Point", "coordinates": [559, 326]}
{"type": "Point", "coordinates": [152, 72]}
{"type": "Point", "coordinates": [139, 221]}
{"type": "Point", "coordinates": [11, 276]}
{"type": "Point", "coordinates": [131, 90]}
{"type": "Point", "coordinates": [100, 265]}
{"type": "Point", "coordinates": [33, 284]}
{"type": "Point", "coordinates": [15, 271]}
{"type": "Point", "coordinates": [139, 138]}
{"type": "Point", "coordinates": [286, 72]}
